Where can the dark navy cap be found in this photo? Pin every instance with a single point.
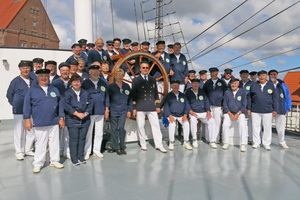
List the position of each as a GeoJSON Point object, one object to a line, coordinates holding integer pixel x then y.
{"type": "Point", "coordinates": [117, 39]}
{"type": "Point", "coordinates": [109, 42]}
{"type": "Point", "coordinates": [146, 43]}
{"type": "Point", "coordinates": [38, 60]}
{"type": "Point", "coordinates": [228, 70]}
{"type": "Point", "coordinates": [64, 64]}
{"type": "Point", "coordinates": [160, 42]}
{"type": "Point", "coordinates": [75, 45]}
{"type": "Point", "coordinates": [175, 81]}
{"type": "Point", "coordinates": [94, 67]}
{"type": "Point", "coordinates": [213, 69]}
{"type": "Point", "coordinates": [90, 45]}
{"type": "Point", "coordinates": [82, 41]}
{"type": "Point", "coordinates": [126, 41]}
{"type": "Point", "coordinates": [134, 44]}
{"type": "Point", "coordinates": [26, 63]}
{"type": "Point", "coordinates": [50, 62]}
{"type": "Point", "coordinates": [253, 73]}
{"type": "Point", "coordinates": [195, 80]}
{"type": "Point", "coordinates": [244, 71]}
{"type": "Point", "coordinates": [42, 71]}
{"type": "Point", "coordinates": [73, 62]}
{"type": "Point", "coordinates": [262, 72]}
{"type": "Point", "coordinates": [192, 71]}
{"type": "Point", "coordinates": [170, 46]}
{"type": "Point", "coordinates": [234, 80]}
{"type": "Point", "coordinates": [272, 70]}
{"type": "Point", "coordinates": [201, 72]}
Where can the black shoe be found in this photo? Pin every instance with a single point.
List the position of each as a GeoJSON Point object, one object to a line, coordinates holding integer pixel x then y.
{"type": "Point", "coordinates": [119, 152]}
{"type": "Point", "coordinates": [123, 152]}
{"type": "Point", "coordinates": [81, 161]}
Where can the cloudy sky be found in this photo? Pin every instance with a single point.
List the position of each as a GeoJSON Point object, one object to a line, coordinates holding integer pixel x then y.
{"type": "Point", "coordinates": [195, 16]}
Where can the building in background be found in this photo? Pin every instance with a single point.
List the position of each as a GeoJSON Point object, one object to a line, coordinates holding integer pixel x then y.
{"type": "Point", "coordinates": [25, 23]}
{"type": "Point", "coordinates": [292, 80]}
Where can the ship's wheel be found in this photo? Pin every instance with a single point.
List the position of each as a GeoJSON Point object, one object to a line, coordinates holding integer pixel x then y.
{"type": "Point", "coordinates": [140, 56]}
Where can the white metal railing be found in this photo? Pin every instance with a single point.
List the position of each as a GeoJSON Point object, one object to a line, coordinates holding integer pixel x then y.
{"type": "Point", "coordinates": [293, 117]}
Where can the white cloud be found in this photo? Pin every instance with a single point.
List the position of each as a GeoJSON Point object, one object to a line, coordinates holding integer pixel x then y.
{"type": "Point", "coordinates": [281, 62]}
{"type": "Point", "coordinates": [259, 64]}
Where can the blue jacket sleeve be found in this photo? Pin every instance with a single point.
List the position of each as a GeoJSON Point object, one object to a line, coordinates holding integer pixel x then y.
{"type": "Point", "coordinates": [61, 106]}
{"type": "Point", "coordinates": [90, 105]}
{"type": "Point", "coordinates": [129, 102]}
{"type": "Point", "coordinates": [187, 107]}
{"type": "Point", "coordinates": [275, 101]}
{"type": "Point", "coordinates": [27, 105]}
{"type": "Point", "coordinates": [287, 97]}
{"type": "Point", "coordinates": [244, 103]}
{"type": "Point", "coordinates": [225, 103]}
{"type": "Point", "coordinates": [10, 92]}
{"type": "Point", "coordinates": [106, 103]}
{"type": "Point", "coordinates": [67, 104]}
{"type": "Point", "coordinates": [167, 111]}
{"type": "Point", "coordinates": [206, 102]}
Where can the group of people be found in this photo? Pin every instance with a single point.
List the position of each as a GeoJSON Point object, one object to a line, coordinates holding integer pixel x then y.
{"type": "Point", "coordinates": [66, 113]}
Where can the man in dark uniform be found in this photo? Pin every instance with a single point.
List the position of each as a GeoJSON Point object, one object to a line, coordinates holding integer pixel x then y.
{"type": "Point", "coordinates": [83, 42]}
{"type": "Point", "coordinates": [227, 76]}
{"type": "Point", "coordinates": [98, 54]}
{"type": "Point", "coordinates": [203, 77]}
{"type": "Point", "coordinates": [110, 48]}
{"type": "Point", "coordinates": [145, 46]}
{"type": "Point", "coordinates": [90, 46]}
{"type": "Point", "coordinates": [179, 67]}
{"type": "Point", "coordinates": [146, 103]}
{"type": "Point", "coordinates": [45, 104]}
{"type": "Point", "coordinates": [176, 108]}
{"type": "Point", "coordinates": [253, 76]}
{"type": "Point", "coordinates": [117, 45]}
{"type": "Point", "coordinates": [98, 90]}
{"type": "Point", "coordinates": [16, 92]}
{"type": "Point", "coordinates": [234, 108]}
{"type": "Point", "coordinates": [37, 64]}
{"type": "Point", "coordinates": [215, 89]}
{"type": "Point", "coordinates": [170, 48]}
{"type": "Point", "coordinates": [52, 66]}
{"type": "Point", "coordinates": [62, 84]}
{"type": "Point", "coordinates": [262, 105]}
{"type": "Point", "coordinates": [191, 76]}
{"type": "Point", "coordinates": [135, 46]}
{"type": "Point", "coordinates": [76, 49]}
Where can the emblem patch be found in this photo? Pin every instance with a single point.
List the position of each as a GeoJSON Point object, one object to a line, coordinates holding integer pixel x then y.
{"type": "Point", "coordinates": [126, 92]}
{"type": "Point", "coordinates": [104, 58]}
{"type": "Point", "coordinates": [167, 60]}
{"type": "Point", "coordinates": [200, 98]}
{"type": "Point", "coordinates": [184, 63]}
{"type": "Point", "coordinates": [182, 100]}
{"type": "Point", "coordinates": [103, 88]}
{"type": "Point", "coordinates": [239, 98]}
{"type": "Point", "coordinates": [270, 91]}
{"type": "Point", "coordinates": [52, 94]}
{"type": "Point", "coordinates": [281, 95]}
{"type": "Point", "coordinates": [219, 84]}
{"type": "Point", "coordinates": [247, 87]}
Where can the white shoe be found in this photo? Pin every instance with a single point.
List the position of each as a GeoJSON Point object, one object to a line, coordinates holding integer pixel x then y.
{"type": "Point", "coordinates": [144, 147]}
{"type": "Point", "coordinates": [36, 169]}
{"type": "Point", "coordinates": [57, 165]}
{"type": "Point", "coordinates": [267, 147]}
{"type": "Point", "coordinates": [171, 146]}
{"type": "Point", "coordinates": [20, 157]}
{"type": "Point", "coordinates": [213, 145]}
{"type": "Point", "coordinates": [161, 149]}
{"type": "Point", "coordinates": [195, 143]}
{"type": "Point", "coordinates": [243, 148]}
{"type": "Point", "coordinates": [255, 146]}
{"type": "Point", "coordinates": [187, 146]}
{"type": "Point", "coordinates": [87, 156]}
{"type": "Point", "coordinates": [284, 146]}
{"type": "Point", "coordinates": [99, 155]}
{"type": "Point", "coordinates": [30, 153]}
{"type": "Point", "coordinates": [225, 146]}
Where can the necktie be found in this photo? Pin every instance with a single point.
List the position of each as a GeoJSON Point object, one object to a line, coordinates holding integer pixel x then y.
{"type": "Point", "coordinates": [145, 77]}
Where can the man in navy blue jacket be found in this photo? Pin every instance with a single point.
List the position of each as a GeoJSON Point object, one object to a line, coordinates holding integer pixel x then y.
{"type": "Point", "coordinates": [77, 53]}
{"type": "Point", "coordinates": [97, 88]}
{"type": "Point", "coordinates": [179, 67]}
{"type": "Point", "coordinates": [16, 92]}
{"type": "Point", "coordinates": [262, 105]}
{"type": "Point", "coordinates": [98, 54]}
{"type": "Point", "coordinates": [45, 104]}
{"type": "Point", "coordinates": [177, 108]}
{"type": "Point", "coordinates": [52, 66]}
{"type": "Point", "coordinates": [284, 105]}
{"type": "Point", "coordinates": [37, 64]}
{"type": "Point", "coordinates": [200, 109]}
{"type": "Point", "coordinates": [215, 89]}
{"type": "Point", "coordinates": [234, 108]}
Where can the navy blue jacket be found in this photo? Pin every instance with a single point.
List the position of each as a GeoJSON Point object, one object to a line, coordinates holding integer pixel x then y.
{"type": "Point", "coordinates": [263, 101]}
{"type": "Point", "coordinates": [215, 94]}
{"type": "Point", "coordinates": [94, 55]}
{"type": "Point", "coordinates": [33, 76]}
{"type": "Point", "coordinates": [283, 98]}
{"type": "Point", "coordinates": [55, 77]}
{"type": "Point", "coordinates": [84, 75]}
{"type": "Point", "coordinates": [166, 63]}
{"type": "Point", "coordinates": [144, 94]}
{"type": "Point", "coordinates": [100, 95]}
{"type": "Point", "coordinates": [235, 104]}
{"type": "Point", "coordinates": [59, 84]}
{"type": "Point", "coordinates": [85, 104]}
{"type": "Point", "coordinates": [106, 80]}
{"type": "Point", "coordinates": [82, 55]}
{"type": "Point", "coordinates": [199, 103]}
{"type": "Point", "coordinates": [180, 68]}
{"type": "Point", "coordinates": [44, 109]}
{"type": "Point", "coordinates": [174, 107]}
{"type": "Point", "coordinates": [246, 87]}
{"type": "Point", "coordinates": [16, 93]}
{"type": "Point", "coordinates": [188, 85]}
{"type": "Point", "coordinates": [120, 99]}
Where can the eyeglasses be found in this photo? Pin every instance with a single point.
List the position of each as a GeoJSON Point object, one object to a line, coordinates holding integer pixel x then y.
{"type": "Point", "coordinates": [110, 45]}
{"type": "Point", "coordinates": [145, 67]}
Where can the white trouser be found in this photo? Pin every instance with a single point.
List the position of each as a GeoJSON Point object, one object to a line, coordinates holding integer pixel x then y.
{"type": "Point", "coordinates": [160, 88]}
{"type": "Point", "coordinates": [266, 120]}
{"type": "Point", "coordinates": [280, 122]}
{"type": "Point", "coordinates": [217, 115]}
{"type": "Point", "coordinates": [242, 129]}
{"type": "Point", "coordinates": [98, 121]}
{"type": "Point", "coordinates": [211, 134]}
{"type": "Point", "coordinates": [46, 135]}
{"type": "Point", "coordinates": [64, 140]}
{"type": "Point", "coordinates": [154, 123]}
{"type": "Point", "coordinates": [181, 88]}
{"type": "Point", "coordinates": [185, 127]}
{"type": "Point", "coordinates": [23, 139]}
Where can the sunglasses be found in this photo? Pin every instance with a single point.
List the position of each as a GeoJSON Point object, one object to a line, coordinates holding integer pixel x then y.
{"type": "Point", "coordinates": [145, 67]}
{"type": "Point", "coordinates": [110, 45]}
